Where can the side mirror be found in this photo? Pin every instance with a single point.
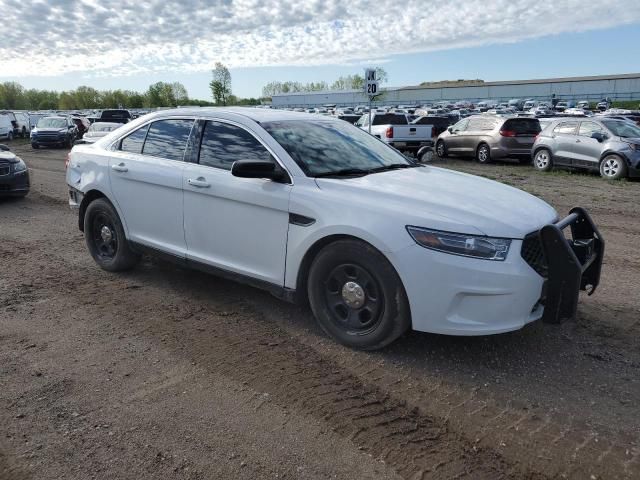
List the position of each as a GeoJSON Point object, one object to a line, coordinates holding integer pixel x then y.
{"type": "Point", "coordinates": [257, 169]}
{"type": "Point", "coordinates": [598, 136]}
{"type": "Point", "coordinates": [450, 129]}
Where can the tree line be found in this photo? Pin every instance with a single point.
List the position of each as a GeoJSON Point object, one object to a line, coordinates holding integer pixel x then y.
{"type": "Point", "coordinates": [347, 82]}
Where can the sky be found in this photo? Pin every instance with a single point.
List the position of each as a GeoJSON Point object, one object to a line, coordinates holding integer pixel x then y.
{"type": "Point", "coordinates": [110, 44]}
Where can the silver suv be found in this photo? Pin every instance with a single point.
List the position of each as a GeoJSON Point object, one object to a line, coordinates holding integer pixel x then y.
{"type": "Point", "coordinates": [488, 137]}
{"type": "Point", "coordinates": [609, 146]}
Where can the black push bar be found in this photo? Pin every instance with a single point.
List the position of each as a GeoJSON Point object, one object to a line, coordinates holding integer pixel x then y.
{"type": "Point", "coordinates": [573, 264]}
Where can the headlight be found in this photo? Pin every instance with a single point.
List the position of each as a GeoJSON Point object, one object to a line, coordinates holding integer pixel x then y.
{"type": "Point", "coordinates": [475, 246]}
{"type": "Point", "coordinates": [19, 167]}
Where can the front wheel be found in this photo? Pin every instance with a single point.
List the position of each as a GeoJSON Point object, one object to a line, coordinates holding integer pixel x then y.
{"type": "Point", "coordinates": [613, 167]}
{"type": "Point", "coordinates": [441, 149]}
{"type": "Point", "coordinates": [483, 154]}
{"type": "Point", "coordinates": [357, 296]}
{"type": "Point", "coordinates": [105, 237]}
{"type": "Point", "coordinates": [10, 136]}
{"type": "Point", "coordinates": [542, 160]}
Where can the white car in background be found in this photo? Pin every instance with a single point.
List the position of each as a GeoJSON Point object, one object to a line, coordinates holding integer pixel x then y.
{"type": "Point", "coordinates": [314, 209]}
{"type": "Point", "coordinates": [97, 130]}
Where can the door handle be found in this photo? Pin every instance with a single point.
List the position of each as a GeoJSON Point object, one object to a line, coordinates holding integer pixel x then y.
{"type": "Point", "coordinates": [199, 182]}
{"type": "Point", "coordinates": [119, 167]}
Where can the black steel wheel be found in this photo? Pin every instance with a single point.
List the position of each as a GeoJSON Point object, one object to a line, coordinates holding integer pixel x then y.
{"type": "Point", "coordinates": [105, 237]}
{"type": "Point", "coordinates": [356, 295]}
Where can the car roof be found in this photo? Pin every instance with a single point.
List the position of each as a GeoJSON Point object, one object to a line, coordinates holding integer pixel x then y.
{"type": "Point", "coordinates": [256, 114]}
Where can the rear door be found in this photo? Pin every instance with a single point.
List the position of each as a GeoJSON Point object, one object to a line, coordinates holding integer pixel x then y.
{"type": "Point", "coordinates": [235, 224]}
{"type": "Point", "coordinates": [564, 137]}
{"type": "Point", "coordinates": [587, 149]}
{"type": "Point", "coordinates": [146, 181]}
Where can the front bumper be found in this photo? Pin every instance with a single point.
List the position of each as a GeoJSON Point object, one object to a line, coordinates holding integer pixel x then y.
{"type": "Point", "coordinates": [14, 184]}
{"type": "Point", "coordinates": [454, 295]}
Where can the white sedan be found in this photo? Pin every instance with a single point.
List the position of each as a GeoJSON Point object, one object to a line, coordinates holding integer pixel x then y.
{"type": "Point", "coordinates": [315, 210]}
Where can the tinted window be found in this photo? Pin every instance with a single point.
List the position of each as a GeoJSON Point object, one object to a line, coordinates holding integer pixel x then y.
{"type": "Point", "coordinates": [168, 139]}
{"type": "Point", "coordinates": [567, 128]}
{"type": "Point", "coordinates": [479, 123]}
{"type": "Point", "coordinates": [389, 119]}
{"type": "Point", "coordinates": [587, 128]}
{"type": "Point", "coordinates": [222, 144]}
{"type": "Point", "coordinates": [320, 147]}
{"type": "Point", "coordinates": [134, 141]}
{"type": "Point", "coordinates": [523, 126]}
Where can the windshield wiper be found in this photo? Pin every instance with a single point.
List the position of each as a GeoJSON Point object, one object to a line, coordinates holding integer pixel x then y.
{"type": "Point", "coordinates": [344, 172]}
{"type": "Point", "coordinates": [393, 166]}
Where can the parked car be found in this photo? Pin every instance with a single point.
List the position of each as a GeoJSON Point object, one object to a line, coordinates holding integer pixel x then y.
{"type": "Point", "coordinates": [394, 129]}
{"type": "Point", "coordinates": [15, 127]}
{"type": "Point", "coordinates": [6, 127]}
{"type": "Point", "coordinates": [83, 125]}
{"type": "Point", "coordinates": [562, 105]}
{"type": "Point", "coordinates": [114, 116]}
{"type": "Point", "coordinates": [14, 174]}
{"type": "Point", "coordinates": [98, 130]}
{"type": "Point", "coordinates": [610, 146]}
{"type": "Point", "coordinates": [603, 105]}
{"type": "Point", "coordinates": [529, 105]}
{"type": "Point", "coordinates": [54, 131]}
{"type": "Point", "coordinates": [584, 104]}
{"type": "Point", "coordinates": [316, 210]}
{"type": "Point", "coordinates": [438, 124]}
{"type": "Point", "coordinates": [489, 137]}
{"type": "Point", "coordinates": [23, 126]}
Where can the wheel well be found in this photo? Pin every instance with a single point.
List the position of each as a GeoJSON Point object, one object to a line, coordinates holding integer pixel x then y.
{"type": "Point", "coordinates": [612, 154]}
{"type": "Point", "coordinates": [89, 197]}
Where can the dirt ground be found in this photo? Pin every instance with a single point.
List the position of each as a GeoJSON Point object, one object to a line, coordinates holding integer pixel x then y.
{"type": "Point", "coordinates": [167, 373]}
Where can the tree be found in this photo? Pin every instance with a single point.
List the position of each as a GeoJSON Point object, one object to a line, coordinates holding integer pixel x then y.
{"type": "Point", "coordinates": [221, 84]}
{"type": "Point", "coordinates": [11, 95]}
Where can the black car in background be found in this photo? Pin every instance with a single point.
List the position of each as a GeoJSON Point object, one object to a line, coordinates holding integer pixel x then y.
{"type": "Point", "coordinates": [14, 174]}
{"type": "Point", "coordinates": [115, 116]}
{"type": "Point", "coordinates": [54, 131]}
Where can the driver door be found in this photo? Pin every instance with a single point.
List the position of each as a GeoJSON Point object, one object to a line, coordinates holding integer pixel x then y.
{"type": "Point", "coordinates": [456, 137]}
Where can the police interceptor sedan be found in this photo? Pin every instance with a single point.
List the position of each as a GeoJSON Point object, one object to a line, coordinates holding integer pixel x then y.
{"type": "Point", "coordinates": [316, 210]}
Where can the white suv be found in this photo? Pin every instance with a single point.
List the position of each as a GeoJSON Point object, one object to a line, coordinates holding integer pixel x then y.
{"type": "Point", "coordinates": [314, 209]}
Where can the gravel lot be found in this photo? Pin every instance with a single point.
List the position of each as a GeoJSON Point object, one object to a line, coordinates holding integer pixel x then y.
{"type": "Point", "coordinates": [169, 373]}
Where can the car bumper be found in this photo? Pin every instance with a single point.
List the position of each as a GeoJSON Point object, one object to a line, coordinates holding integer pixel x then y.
{"type": "Point", "coordinates": [48, 141]}
{"type": "Point", "coordinates": [633, 165]}
{"type": "Point", "coordinates": [14, 185]}
{"type": "Point", "coordinates": [455, 295]}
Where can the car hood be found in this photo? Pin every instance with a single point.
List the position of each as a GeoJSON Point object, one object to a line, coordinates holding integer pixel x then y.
{"type": "Point", "coordinates": [437, 198]}
{"type": "Point", "coordinates": [7, 157]}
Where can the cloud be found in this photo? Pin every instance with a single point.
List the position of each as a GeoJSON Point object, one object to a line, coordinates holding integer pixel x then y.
{"type": "Point", "coordinates": [121, 37]}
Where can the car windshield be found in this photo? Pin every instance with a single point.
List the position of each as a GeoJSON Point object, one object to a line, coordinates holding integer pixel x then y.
{"type": "Point", "coordinates": [390, 119]}
{"type": "Point", "coordinates": [49, 122]}
{"type": "Point", "coordinates": [323, 148]}
{"type": "Point", "coordinates": [621, 128]}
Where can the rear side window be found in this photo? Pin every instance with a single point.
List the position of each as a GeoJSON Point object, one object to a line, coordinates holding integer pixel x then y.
{"type": "Point", "coordinates": [133, 142]}
{"type": "Point", "coordinates": [389, 119]}
{"type": "Point", "coordinates": [223, 143]}
{"type": "Point", "coordinates": [566, 128]}
{"type": "Point", "coordinates": [523, 126]}
{"type": "Point", "coordinates": [588, 128]}
{"type": "Point", "coordinates": [168, 139]}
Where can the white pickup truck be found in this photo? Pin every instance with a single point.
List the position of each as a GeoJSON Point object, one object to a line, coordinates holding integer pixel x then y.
{"type": "Point", "coordinates": [395, 130]}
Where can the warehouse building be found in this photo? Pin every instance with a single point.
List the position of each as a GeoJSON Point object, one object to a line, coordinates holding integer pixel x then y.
{"type": "Point", "coordinates": [595, 88]}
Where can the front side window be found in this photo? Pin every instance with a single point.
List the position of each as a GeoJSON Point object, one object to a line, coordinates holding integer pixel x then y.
{"type": "Point", "coordinates": [168, 139]}
{"type": "Point", "coordinates": [566, 128]}
{"type": "Point", "coordinates": [589, 128]}
{"type": "Point", "coordinates": [223, 144]}
{"type": "Point", "coordinates": [322, 147]}
{"type": "Point", "coordinates": [133, 142]}
{"type": "Point", "coordinates": [461, 125]}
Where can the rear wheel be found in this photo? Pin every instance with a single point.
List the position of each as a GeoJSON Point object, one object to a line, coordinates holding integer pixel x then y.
{"type": "Point", "coordinates": [357, 296]}
{"type": "Point", "coordinates": [542, 160]}
{"type": "Point", "coordinates": [483, 154]}
{"type": "Point", "coordinates": [105, 237]}
{"type": "Point", "coordinates": [613, 167]}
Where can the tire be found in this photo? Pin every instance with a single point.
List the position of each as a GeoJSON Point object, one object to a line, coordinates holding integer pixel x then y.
{"type": "Point", "coordinates": [24, 132]}
{"type": "Point", "coordinates": [542, 160]}
{"type": "Point", "coordinates": [613, 167]}
{"type": "Point", "coordinates": [109, 248]}
{"type": "Point", "coordinates": [35, 146]}
{"type": "Point", "coordinates": [483, 153]}
{"type": "Point", "coordinates": [425, 155]}
{"type": "Point", "coordinates": [10, 136]}
{"type": "Point", "coordinates": [356, 296]}
{"type": "Point", "coordinates": [441, 149]}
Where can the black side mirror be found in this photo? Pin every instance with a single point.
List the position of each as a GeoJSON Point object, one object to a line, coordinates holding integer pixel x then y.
{"type": "Point", "coordinates": [450, 129]}
{"type": "Point", "coordinates": [257, 169]}
{"type": "Point", "coordinates": [598, 136]}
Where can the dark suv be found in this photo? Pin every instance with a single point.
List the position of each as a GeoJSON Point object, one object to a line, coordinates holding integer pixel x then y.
{"type": "Point", "coordinates": [489, 137]}
{"type": "Point", "coordinates": [54, 131]}
{"type": "Point", "coordinates": [610, 146]}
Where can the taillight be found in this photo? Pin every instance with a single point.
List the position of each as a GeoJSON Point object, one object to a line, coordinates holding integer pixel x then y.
{"type": "Point", "coordinates": [389, 132]}
{"type": "Point", "coordinates": [66, 163]}
{"type": "Point", "coordinates": [507, 133]}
